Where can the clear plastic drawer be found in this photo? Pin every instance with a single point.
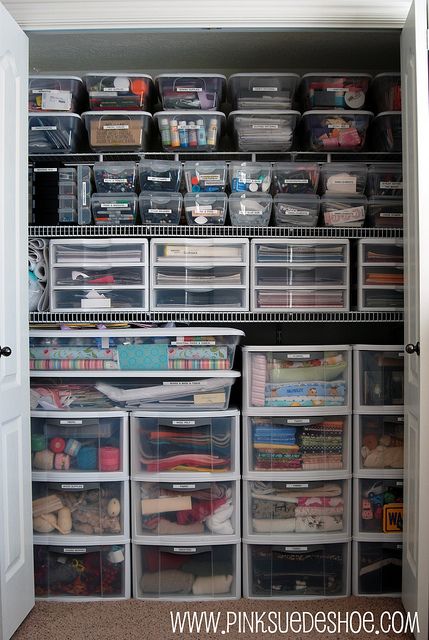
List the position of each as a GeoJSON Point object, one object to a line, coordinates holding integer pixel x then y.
{"type": "Point", "coordinates": [250, 176]}
{"type": "Point", "coordinates": [160, 175]}
{"type": "Point", "coordinates": [99, 298]}
{"type": "Point", "coordinates": [93, 253]}
{"type": "Point", "coordinates": [300, 300]}
{"type": "Point", "coordinates": [96, 276]}
{"type": "Point", "coordinates": [203, 276]}
{"type": "Point", "coordinates": [378, 506]}
{"type": "Point", "coordinates": [199, 299]}
{"type": "Point", "coordinates": [300, 277]}
{"type": "Point", "coordinates": [343, 178]}
{"type": "Point", "coordinates": [205, 208]}
{"type": "Point", "coordinates": [382, 299]}
{"type": "Point", "coordinates": [204, 252]}
{"type": "Point", "coordinates": [377, 568]}
{"type": "Point", "coordinates": [378, 377]}
{"type": "Point", "coordinates": [335, 90]}
{"type": "Point", "coordinates": [300, 252]}
{"type": "Point", "coordinates": [378, 444]}
{"type": "Point", "coordinates": [205, 176]}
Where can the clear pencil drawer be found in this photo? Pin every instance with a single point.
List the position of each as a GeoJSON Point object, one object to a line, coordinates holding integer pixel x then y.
{"type": "Point", "coordinates": [98, 298]}
{"type": "Point", "coordinates": [199, 299]}
{"type": "Point", "coordinates": [378, 506]}
{"type": "Point", "coordinates": [179, 572]}
{"type": "Point", "coordinates": [202, 252]}
{"type": "Point", "coordinates": [378, 377]}
{"type": "Point", "coordinates": [300, 252]}
{"type": "Point", "coordinates": [378, 444]}
{"type": "Point", "coordinates": [90, 572]}
{"type": "Point", "coordinates": [380, 274]}
{"type": "Point", "coordinates": [377, 568]}
{"type": "Point", "coordinates": [95, 252]}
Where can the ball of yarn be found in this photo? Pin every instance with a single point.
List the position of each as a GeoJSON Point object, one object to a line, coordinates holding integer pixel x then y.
{"type": "Point", "coordinates": [38, 442]}
{"type": "Point", "coordinates": [57, 445]}
{"type": "Point", "coordinates": [43, 460]}
{"type": "Point", "coordinates": [87, 458]}
{"type": "Point", "coordinates": [109, 458]}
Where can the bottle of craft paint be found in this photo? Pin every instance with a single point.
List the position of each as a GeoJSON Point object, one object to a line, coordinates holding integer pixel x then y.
{"type": "Point", "coordinates": [201, 133]}
{"type": "Point", "coordinates": [212, 133]}
{"type": "Point", "coordinates": [193, 142]}
{"type": "Point", "coordinates": [183, 134]}
{"type": "Point", "coordinates": [174, 132]}
{"type": "Point", "coordinates": [165, 132]}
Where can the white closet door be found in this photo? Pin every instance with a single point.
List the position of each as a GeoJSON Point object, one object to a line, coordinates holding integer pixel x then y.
{"type": "Point", "coordinates": [16, 560]}
{"type": "Point", "coordinates": [414, 61]}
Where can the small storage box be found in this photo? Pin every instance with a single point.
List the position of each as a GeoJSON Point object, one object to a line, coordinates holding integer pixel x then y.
{"type": "Point", "coordinates": [250, 176]}
{"type": "Point", "coordinates": [118, 130]}
{"type": "Point", "coordinates": [160, 175]}
{"type": "Point", "coordinates": [385, 212]}
{"type": "Point", "coordinates": [205, 208]}
{"type": "Point", "coordinates": [378, 378]}
{"type": "Point", "coordinates": [181, 91]}
{"type": "Point", "coordinates": [378, 444]}
{"type": "Point", "coordinates": [343, 179]}
{"type": "Point", "coordinates": [198, 572]}
{"type": "Point", "coordinates": [115, 177]}
{"type": "Point", "coordinates": [335, 130]}
{"type": "Point", "coordinates": [84, 190]}
{"type": "Point", "coordinates": [292, 210]}
{"type": "Point", "coordinates": [80, 510]}
{"type": "Point", "coordinates": [380, 274]}
{"type": "Point", "coordinates": [295, 177]}
{"type": "Point", "coordinates": [117, 91]}
{"type": "Point", "coordinates": [99, 298]}
{"type": "Point", "coordinates": [186, 510]}
{"type": "Point", "coordinates": [312, 447]}
{"type": "Point", "coordinates": [100, 444]}
{"type": "Point", "coordinates": [56, 93]}
{"type": "Point", "coordinates": [114, 208]}
{"type": "Point", "coordinates": [343, 211]}
{"type": "Point", "coordinates": [205, 443]}
{"type": "Point", "coordinates": [335, 90]}
{"type": "Point", "coordinates": [55, 132]}
{"type": "Point", "coordinates": [190, 130]}
{"type": "Point", "coordinates": [205, 176]}
{"type": "Point", "coordinates": [307, 571]}
{"type": "Point", "coordinates": [386, 92]}
{"type": "Point", "coordinates": [84, 573]}
{"type": "Point", "coordinates": [296, 378]}
{"type": "Point", "coordinates": [385, 180]}
{"type": "Point", "coordinates": [377, 568]}
{"type": "Point", "coordinates": [267, 130]}
{"type": "Point", "coordinates": [378, 507]}
{"type": "Point", "coordinates": [160, 207]}
{"type": "Point", "coordinates": [386, 132]}
{"type": "Point", "coordinates": [250, 209]}
{"type": "Point", "coordinates": [262, 90]}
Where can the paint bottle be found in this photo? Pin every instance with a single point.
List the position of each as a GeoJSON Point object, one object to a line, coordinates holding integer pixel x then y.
{"type": "Point", "coordinates": [201, 133]}
{"type": "Point", "coordinates": [193, 142]}
{"type": "Point", "coordinates": [165, 132]}
{"type": "Point", "coordinates": [212, 133]}
{"type": "Point", "coordinates": [183, 134]}
{"type": "Point", "coordinates": [174, 133]}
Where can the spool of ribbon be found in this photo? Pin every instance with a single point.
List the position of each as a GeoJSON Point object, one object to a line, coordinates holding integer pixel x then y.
{"type": "Point", "coordinates": [109, 459]}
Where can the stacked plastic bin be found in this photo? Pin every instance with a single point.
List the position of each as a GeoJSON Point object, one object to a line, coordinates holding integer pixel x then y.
{"type": "Point", "coordinates": [378, 460]}
{"type": "Point", "coordinates": [296, 471]}
{"type": "Point", "coordinates": [186, 474]}
{"type": "Point", "coordinates": [380, 274]}
{"type": "Point", "coordinates": [386, 131]}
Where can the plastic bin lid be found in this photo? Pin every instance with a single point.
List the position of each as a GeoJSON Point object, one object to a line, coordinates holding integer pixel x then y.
{"type": "Point", "coordinates": [141, 333]}
{"type": "Point", "coordinates": [54, 114]}
{"type": "Point", "coordinates": [166, 196]}
{"type": "Point", "coordinates": [226, 413]}
{"type": "Point", "coordinates": [177, 114]}
{"type": "Point", "coordinates": [36, 76]}
{"type": "Point", "coordinates": [298, 348]}
{"type": "Point", "coordinates": [336, 167]}
{"type": "Point", "coordinates": [264, 112]}
{"type": "Point", "coordinates": [336, 74]}
{"type": "Point", "coordinates": [243, 195]}
{"type": "Point", "coordinates": [385, 200]}
{"type": "Point", "coordinates": [101, 114]}
{"type": "Point", "coordinates": [297, 197]}
{"type": "Point", "coordinates": [206, 195]}
{"type": "Point", "coordinates": [382, 168]}
{"type": "Point", "coordinates": [189, 75]}
{"type": "Point", "coordinates": [339, 112]}
{"type": "Point", "coordinates": [378, 347]}
{"type": "Point", "coordinates": [261, 74]}
{"type": "Point", "coordinates": [122, 74]}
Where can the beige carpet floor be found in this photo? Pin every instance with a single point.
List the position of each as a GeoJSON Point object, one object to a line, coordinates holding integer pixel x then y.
{"type": "Point", "coordinates": [135, 620]}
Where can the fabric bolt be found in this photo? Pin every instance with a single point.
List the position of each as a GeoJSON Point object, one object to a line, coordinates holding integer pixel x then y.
{"type": "Point", "coordinates": [199, 364]}
{"type": "Point", "coordinates": [70, 365]}
{"type": "Point", "coordinates": [259, 376]}
{"type": "Point", "coordinates": [72, 353]}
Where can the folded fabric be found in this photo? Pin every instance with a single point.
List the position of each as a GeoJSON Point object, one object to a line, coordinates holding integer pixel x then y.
{"type": "Point", "coordinates": [165, 582]}
{"type": "Point", "coordinates": [70, 365]}
{"type": "Point", "coordinates": [185, 461]}
{"type": "Point", "coordinates": [274, 526]}
{"type": "Point", "coordinates": [327, 372]}
{"type": "Point", "coordinates": [162, 526]}
{"type": "Point", "coordinates": [326, 494]}
{"type": "Point", "coordinates": [329, 499]}
{"type": "Point", "coordinates": [315, 388]}
{"type": "Point", "coordinates": [319, 511]}
{"type": "Point", "coordinates": [199, 364]}
{"type": "Point", "coordinates": [259, 375]}
{"type": "Point", "coordinates": [220, 521]}
{"type": "Point", "coordinates": [188, 352]}
{"type": "Point", "coordinates": [212, 585]}
{"type": "Point", "coordinates": [72, 353]}
{"type": "Point", "coordinates": [306, 524]}
{"type": "Point", "coordinates": [276, 510]}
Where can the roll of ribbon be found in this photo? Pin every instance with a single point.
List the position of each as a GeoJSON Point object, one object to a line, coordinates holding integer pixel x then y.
{"type": "Point", "coordinates": [109, 458]}
{"type": "Point", "coordinates": [87, 458]}
{"type": "Point", "coordinates": [57, 445]}
{"type": "Point", "coordinates": [38, 442]}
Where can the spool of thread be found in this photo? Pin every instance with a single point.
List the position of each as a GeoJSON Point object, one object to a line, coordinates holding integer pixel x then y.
{"type": "Point", "coordinates": [62, 462]}
{"type": "Point", "coordinates": [57, 445]}
{"type": "Point", "coordinates": [87, 458]}
{"type": "Point", "coordinates": [109, 458]}
{"type": "Point", "coordinates": [72, 447]}
{"type": "Point", "coordinates": [38, 442]}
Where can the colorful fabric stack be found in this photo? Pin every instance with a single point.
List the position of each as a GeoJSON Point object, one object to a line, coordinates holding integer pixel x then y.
{"type": "Point", "coordinates": [275, 447]}
{"type": "Point", "coordinates": [322, 445]}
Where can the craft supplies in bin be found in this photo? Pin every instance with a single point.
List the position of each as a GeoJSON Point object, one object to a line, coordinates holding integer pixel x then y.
{"type": "Point", "coordinates": [378, 377]}
{"type": "Point", "coordinates": [295, 177]}
{"type": "Point", "coordinates": [385, 180]}
{"type": "Point", "coordinates": [343, 179]}
{"type": "Point", "coordinates": [67, 199]}
{"type": "Point", "coordinates": [335, 130]}
{"type": "Point", "coordinates": [379, 444]}
{"type": "Point", "coordinates": [118, 130]}
{"type": "Point", "coordinates": [119, 91]}
{"type": "Point", "coordinates": [55, 132]}
{"type": "Point", "coordinates": [114, 208]}
{"type": "Point", "coordinates": [56, 93]}
{"type": "Point", "coordinates": [115, 177]}
{"type": "Point", "coordinates": [250, 209]}
{"type": "Point", "coordinates": [205, 176]}
{"type": "Point", "coordinates": [378, 506]}
{"type": "Point", "coordinates": [386, 132]}
{"type": "Point", "coordinates": [160, 175]}
{"type": "Point", "coordinates": [250, 176]}
{"type": "Point", "coordinates": [181, 91]}
{"type": "Point", "coordinates": [205, 208]}
{"type": "Point", "coordinates": [294, 210]}
{"type": "Point", "coordinates": [190, 130]}
{"type": "Point", "coordinates": [343, 211]}
{"type": "Point", "coordinates": [334, 90]}
{"type": "Point", "coordinates": [262, 90]}
{"type": "Point", "coordinates": [385, 212]}
{"type": "Point", "coordinates": [386, 92]}
{"type": "Point", "coordinates": [160, 207]}
{"type": "Point", "coordinates": [377, 568]}
{"type": "Point", "coordinates": [264, 130]}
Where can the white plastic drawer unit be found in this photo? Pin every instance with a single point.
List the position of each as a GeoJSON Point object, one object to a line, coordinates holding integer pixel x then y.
{"type": "Point", "coordinates": [378, 378]}
{"type": "Point", "coordinates": [205, 443]}
{"type": "Point", "coordinates": [186, 510]}
{"type": "Point", "coordinates": [291, 379]}
{"type": "Point", "coordinates": [74, 512]}
{"type": "Point", "coordinates": [380, 274]}
{"type": "Point", "coordinates": [199, 274]}
{"type": "Point", "coordinates": [98, 274]}
{"type": "Point", "coordinates": [290, 572]}
{"type": "Point", "coordinates": [310, 447]}
{"type": "Point", "coordinates": [79, 445]}
{"type": "Point", "coordinates": [297, 510]}
{"type": "Point", "coordinates": [378, 507]}
{"type": "Point", "coordinates": [179, 572]}
{"type": "Point", "coordinates": [378, 444]}
{"type": "Point", "coordinates": [88, 572]}
{"type": "Point", "coordinates": [300, 275]}
{"type": "Point", "coordinates": [377, 568]}
{"type": "Point", "coordinates": [146, 351]}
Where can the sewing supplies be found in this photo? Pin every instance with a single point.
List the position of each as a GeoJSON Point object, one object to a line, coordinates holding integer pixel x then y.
{"type": "Point", "coordinates": [111, 208]}
{"type": "Point", "coordinates": [335, 130]}
{"type": "Point", "coordinates": [334, 90]}
{"type": "Point", "coordinates": [57, 445]}
{"type": "Point", "coordinates": [56, 93]}
{"type": "Point", "coordinates": [72, 447]}
{"type": "Point", "coordinates": [109, 458]}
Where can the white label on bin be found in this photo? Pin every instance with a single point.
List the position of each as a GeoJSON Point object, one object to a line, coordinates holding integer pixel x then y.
{"type": "Point", "coordinates": [400, 419]}
{"type": "Point", "coordinates": [84, 194]}
{"type": "Point", "coordinates": [399, 483]}
{"type": "Point", "coordinates": [390, 214]}
{"type": "Point", "coordinates": [296, 485]}
{"type": "Point", "coordinates": [339, 126]}
{"type": "Point", "coordinates": [182, 422]}
{"type": "Point", "coordinates": [293, 181]}
{"type": "Point", "coordinates": [294, 356]}
{"type": "Point", "coordinates": [184, 486]}
{"type": "Point", "coordinates": [115, 205]}
{"type": "Point", "coordinates": [291, 211]}
{"type": "Point", "coordinates": [187, 89]}
{"type": "Point", "coordinates": [250, 212]}
{"type": "Point", "coordinates": [160, 210]}
{"type": "Point", "coordinates": [182, 383]}
{"type": "Point", "coordinates": [72, 486]}
{"type": "Point", "coordinates": [56, 100]}
{"type": "Point", "coordinates": [341, 183]}
{"type": "Point", "coordinates": [110, 89]}
{"type": "Point", "coordinates": [401, 354]}
{"type": "Point", "coordinates": [114, 180]}
{"type": "Point", "coordinates": [298, 421]}
{"type": "Point", "coordinates": [336, 89]}
{"type": "Point", "coordinates": [296, 548]}
{"type": "Point", "coordinates": [264, 89]}
{"type": "Point", "coordinates": [207, 177]}
{"type": "Point", "coordinates": [116, 126]}
{"type": "Point", "coordinates": [195, 343]}
{"type": "Point", "coordinates": [188, 126]}
{"type": "Point", "coordinates": [391, 185]}
{"type": "Point", "coordinates": [265, 126]}
{"type": "Point", "coordinates": [159, 178]}
{"type": "Point", "coordinates": [185, 549]}
{"type": "Point", "coordinates": [74, 549]}
{"type": "Point", "coordinates": [44, 128]}
{"type": "Point", "coordinates": [71, 421]}
{"type": "Point", "coordinates": [45, 169]}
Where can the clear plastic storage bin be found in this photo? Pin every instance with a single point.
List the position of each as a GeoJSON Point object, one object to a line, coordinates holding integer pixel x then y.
{"type": "Point", "coordinates": [250, 176]}
{"type": "Point", "coordinates": [386, 92]}
{"type": "Point", "coordinates": [80, 510]}
{"type": "Point", "coordinates": [186, 510]}
{"type": "Point", "coordinates": [115, 177]}
{"type": "Point", "coordinates": [385, 180]}
{"type": "Point", "coordinates": [55, 132]}
{"type": "Point", "coordinates": [204, 443]}
{"type": "Point", "coordinates": [314, 446]}
{"type": "Point", "coordinates": [380, 274]}
{"type": "Point", "coordinates": [378, 507]}
{"type": "Point", "coordinates": [190, 130]}
{"type": "Point", "coordinates": [178, 572]}
{"type": "Point", "coordinates": [118, 130]}
{"type": "Point", "coordinates": [343, 211]}
{"type": "Point", "coordinates": [378, 444]}
{"type": "Point", "coordinates": [99, 298]}
{"type": "Point", "coordinates": [385, 212]}
{"type": "Point", "coordinates": [294, 210]}
{"type": "Point", "coordinates": [307, 571]}
{"type": "Point", "coordinates": [160, 175]}
{"type": "Point", "coordinates": [335, 130]}
{"type": "Point", "coordinates": [250, 209]}
{"type": "Point", "coordinates": [56, 93]}
{"type": "Point", "coordinates": [160, 207]}
{"type": "Point", "coordinates": [205, 208]}
{"type": "Point", "coordinates": [180, 91]}
{"type": "Point", "coordinates": [343, 179]}
{"type": "Point", "coordinates": [84, 573]}
{"type": "Point", "coordinates": [296, 378]}
{"type": "Point", "coordinates": [118, 91]}
{"type": "Point", "coordinates": [295, 177]}
{"type": "Point", "coordinates": [267, 130]}
{"type": "Point", "coordinates": [262, 90]}
{"type": "Point", "coordinates": [386, 132]}
{"type": "Point", "coordinates": [114, 208]}
{"type": "Point", "coordinates": [378, 378]}
{"type": "Point", "coordinates": [377, 568]}
{"type": "Point", "coordinates": [100, 445]}
{"type": "Point", "coordinates": [205, 176]}
{"type": "Point", "coordinates": [335, 90]}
